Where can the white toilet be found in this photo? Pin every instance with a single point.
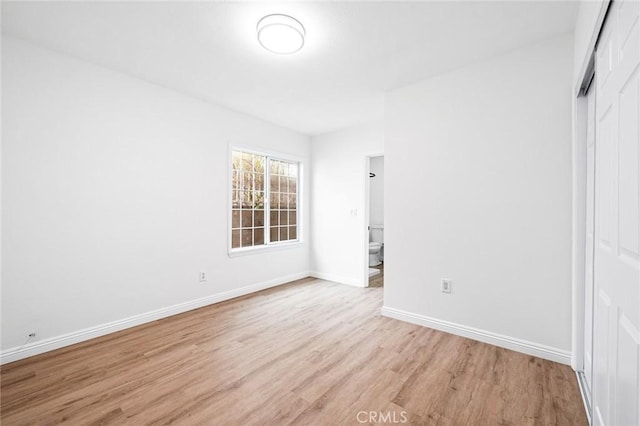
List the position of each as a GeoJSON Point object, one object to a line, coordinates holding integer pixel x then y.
{"type": "Point", "coordinates": [376, 245]}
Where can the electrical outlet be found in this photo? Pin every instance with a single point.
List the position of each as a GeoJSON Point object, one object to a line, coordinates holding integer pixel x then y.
{"type": "Point", "coordinates": [203, 277]}
{"type": "Point", "coordinates": [445, 285]}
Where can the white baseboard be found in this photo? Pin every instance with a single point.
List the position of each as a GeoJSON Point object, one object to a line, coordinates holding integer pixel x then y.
{"type": "Point", "coordinates": [35, 348]}
{"type": "Point", "coordinates": [336, 278]}
{"type": "Point", "coordinates": [518, 345]}
{"type": "Point", "coordinates": [586, 398]}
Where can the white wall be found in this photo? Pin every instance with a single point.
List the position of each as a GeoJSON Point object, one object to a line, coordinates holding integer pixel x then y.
{"type": "Point", "coordinates": [115, 197]}
{"type": "Point", "coordinates": [338, 228]}
{"type": "Point", "coordinates": [486, 154]}
{"type": "Point", "coordinates": [376, 192]}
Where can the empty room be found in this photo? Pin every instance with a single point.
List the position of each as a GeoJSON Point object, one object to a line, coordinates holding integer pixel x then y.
{"type": "Point", "coordinates": [320, 213]}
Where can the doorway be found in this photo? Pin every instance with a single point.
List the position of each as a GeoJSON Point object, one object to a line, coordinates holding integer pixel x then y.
{"type": "Point", "coordinates": [374, 207]}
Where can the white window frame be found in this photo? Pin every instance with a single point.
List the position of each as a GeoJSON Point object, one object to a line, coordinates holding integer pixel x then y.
{"type": "Point", "coordinates": [268, 246]}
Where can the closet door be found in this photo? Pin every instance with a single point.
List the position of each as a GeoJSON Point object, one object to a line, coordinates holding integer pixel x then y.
{"type": "Point", "coordinates": [616, 362]}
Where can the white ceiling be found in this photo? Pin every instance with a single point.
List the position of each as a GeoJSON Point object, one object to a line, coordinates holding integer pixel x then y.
{"type": "Point", "coordinates": [354, 51]}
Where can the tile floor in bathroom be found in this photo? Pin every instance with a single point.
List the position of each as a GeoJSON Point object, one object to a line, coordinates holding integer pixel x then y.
{"type": "Point", "coordinates": [378, 279]}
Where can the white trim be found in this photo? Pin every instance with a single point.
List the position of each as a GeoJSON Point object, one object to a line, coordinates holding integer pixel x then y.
{"type": "Point", "coordinates": [586, 398]}
{"type": "Point", "coordinates": [366, 217]}
{"type": "Point", "coordinates": [577, 203]}
{"type": "Point", "coordinates": [35, 348]}
{"type": "Point", "coordinates": [578, 227]}
{"type": "Point", "coordinates": [338, 279]}
{"type": "Point", "coordinates": [244, 251]}
{"type": "Point", "coordinates": [515, 344]}
{"type": "Point", "coordinates": [604, 6]}
{"type": "Point", "coordinates": [256, 149]}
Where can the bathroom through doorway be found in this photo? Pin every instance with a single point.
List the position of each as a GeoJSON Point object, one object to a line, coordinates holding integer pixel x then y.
{"type": "Point", "coordinates": [374, 206]}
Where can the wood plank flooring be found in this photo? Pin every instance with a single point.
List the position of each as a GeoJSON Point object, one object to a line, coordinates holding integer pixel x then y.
{"type": "Point", "coordinates": [306, 353]}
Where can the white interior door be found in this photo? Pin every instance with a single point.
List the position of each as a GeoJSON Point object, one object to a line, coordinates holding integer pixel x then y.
{"type": "Point", "coordinates": [589, 240]}
{"type": "Point", "coordinates": [616, 344]}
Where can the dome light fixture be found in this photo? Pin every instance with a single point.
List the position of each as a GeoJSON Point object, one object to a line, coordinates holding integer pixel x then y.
{"type": "Point", "coordinates": [280, 34]}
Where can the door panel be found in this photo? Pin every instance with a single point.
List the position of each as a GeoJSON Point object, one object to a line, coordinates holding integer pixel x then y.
{"type": "Point", "coordinates": [601, 389]}
{"type": "Point", "coordinates": [616, 340]}
{"type": "Point", "coordinates": [628, 171]}
{"type": "Point", "coordinates": [627, 379]}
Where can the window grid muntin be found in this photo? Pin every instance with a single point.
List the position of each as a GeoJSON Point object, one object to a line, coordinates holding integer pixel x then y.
{"type": "Point", "coordinates": [245, 202]}
{"type": "Point", "coordinates": [283, 200]}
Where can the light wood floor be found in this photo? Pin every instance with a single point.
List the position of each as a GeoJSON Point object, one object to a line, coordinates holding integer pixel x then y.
{"type": "Point", "coordinates": [307, 353]}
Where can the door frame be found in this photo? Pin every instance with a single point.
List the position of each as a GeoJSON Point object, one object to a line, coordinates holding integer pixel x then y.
{"type": "Point", "coordinates": [578, 205]}
{"type": "Point", "coordinates": [367, 213]}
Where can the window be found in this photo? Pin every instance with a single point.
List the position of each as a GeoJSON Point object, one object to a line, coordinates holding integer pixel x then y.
{"type": "Point", "coordinates": [264, 200]}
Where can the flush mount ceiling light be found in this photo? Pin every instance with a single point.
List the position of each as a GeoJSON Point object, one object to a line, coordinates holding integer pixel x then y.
{"type": "Point", "coordinates": [280, 34]}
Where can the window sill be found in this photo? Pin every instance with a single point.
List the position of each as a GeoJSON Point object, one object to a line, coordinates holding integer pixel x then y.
{"type": "Point", "coordinates": [263, 249]}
